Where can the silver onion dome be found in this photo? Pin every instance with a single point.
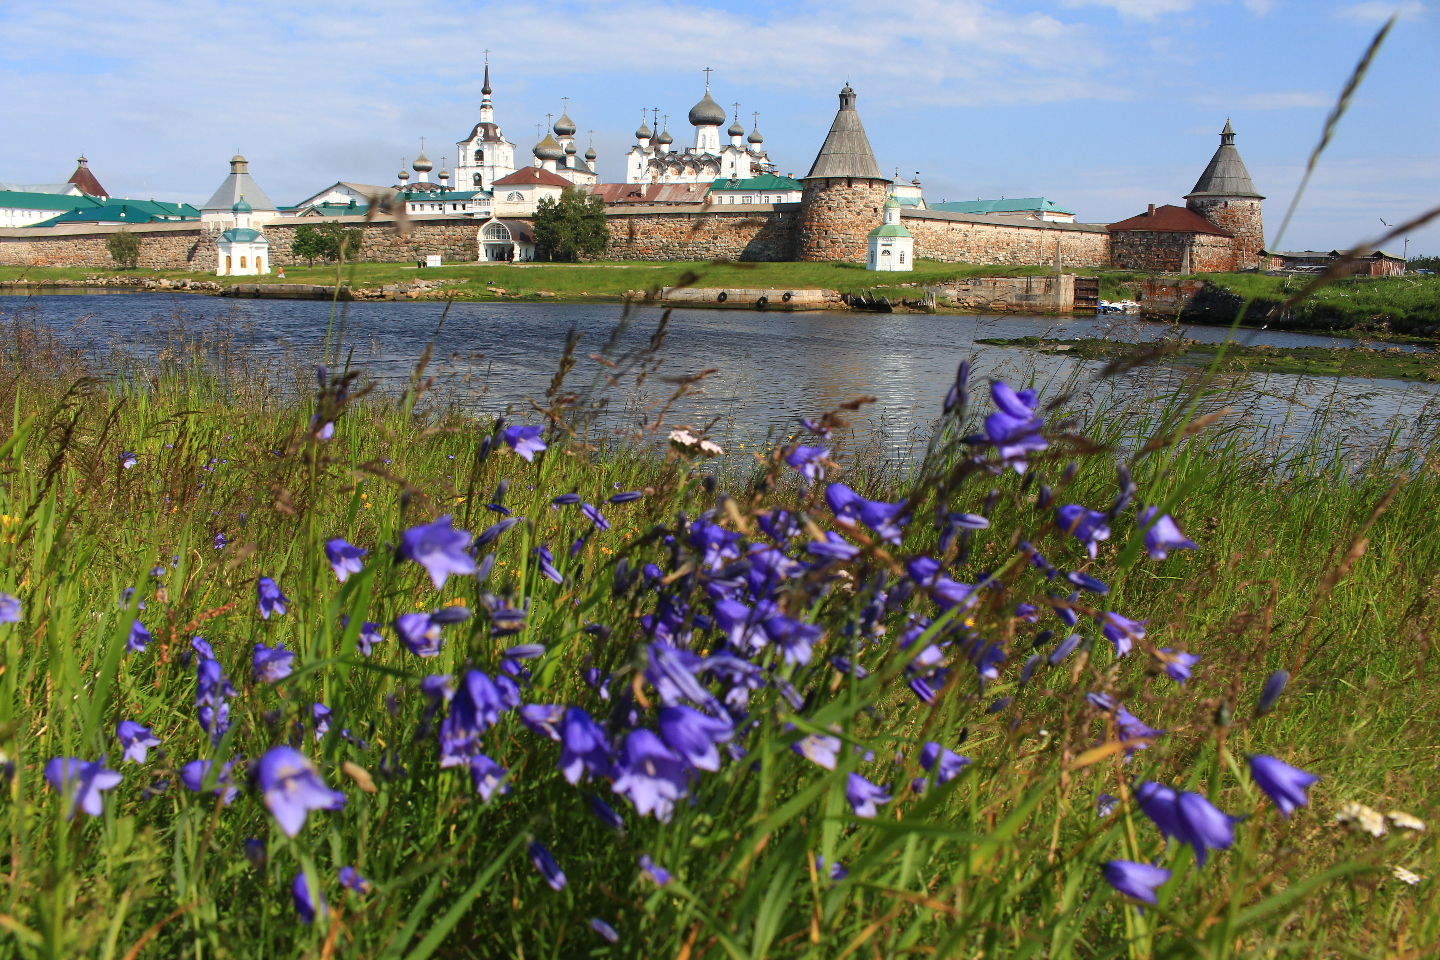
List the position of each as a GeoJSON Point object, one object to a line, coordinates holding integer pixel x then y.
{"type": "Point", "coordinates": [564, 127]}
{"type": "Point", "coordinates": [549, 149]}
{"type": "Point", "coordinates": [707, 113]}
{"type": "Point", "coordinates": [422, 164]}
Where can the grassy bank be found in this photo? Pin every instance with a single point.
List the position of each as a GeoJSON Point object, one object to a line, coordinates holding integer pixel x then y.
{"type": "Point", "coordinates": [1392, 363]}
{"type": "Point", "coordinates": [1398, 304]}
{"type": "Point", "coordinates": [190, 487]}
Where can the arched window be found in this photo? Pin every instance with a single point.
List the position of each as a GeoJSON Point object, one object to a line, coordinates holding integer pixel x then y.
{"type": "Point", "coordinates": [496, 231]}
{"type": "Point", "coordinates": [227, 264]}
{"type": "Point", "coordinates": [515, 196]}
{"type": "Point", "coordinates": [479, 156]}
{"type": "Point", "coordinates": [259, 265]}
{"type": "Point", "coordinates": [902, 256]}
{"type": "Point", "coordinates": [242, 263]}
{"type": "Point", "coordinates": [476, 180]}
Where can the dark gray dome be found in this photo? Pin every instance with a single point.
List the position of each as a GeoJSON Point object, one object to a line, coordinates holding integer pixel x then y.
{"type": "Point", "coordinates": [643, 133]}
{"type": "Point", "coordinates": [549, 149]}
{"type": "Point", "coordinates": [736, 130]}
{"type": "Point", "coordinates": [590, 154]}
{"type": "Point", "coordinates": [570, 148]}
{"type": "Point", "coordinates": [707, 113]}
{"type": "Point", "coordinates": [564, 127]}
{"type": "Point", "coordinates": [665, 137]}
{"type": "Point", "coordinates": [422, 163]}
{"type": "Point", "coordinates": [755, 136]}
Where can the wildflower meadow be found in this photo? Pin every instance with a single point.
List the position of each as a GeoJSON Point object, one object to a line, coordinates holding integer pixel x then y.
{"type": "Point", "coordinates": [298, 667]}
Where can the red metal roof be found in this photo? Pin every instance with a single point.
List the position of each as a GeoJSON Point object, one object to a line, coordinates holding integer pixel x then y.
{"type": "Point", "coordinates": [85, 180]}
{"type": "Point", "coordinates": [619, 194]}
{"type": "Point", "coordinates": [1169, 219]}
{"type": "Point", "coordinates": [527, 176]}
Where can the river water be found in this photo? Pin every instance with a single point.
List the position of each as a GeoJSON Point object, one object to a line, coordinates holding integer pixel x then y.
{"type": "Point", "coordinates": [769, 368]}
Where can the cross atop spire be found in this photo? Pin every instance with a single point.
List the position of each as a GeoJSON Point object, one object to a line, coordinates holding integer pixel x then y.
{"type": "Point", "coordinates": [707, 71]}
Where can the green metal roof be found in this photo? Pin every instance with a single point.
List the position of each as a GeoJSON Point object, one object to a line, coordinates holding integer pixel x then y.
{"type": "Point", "coordinates": [1017, 205]}
{"type": "Point", "coordinates": [242, 235]}
{"type": "Point", "coordinates": [768, 181]}
{"type": "Point", "coordinates": [15, 200]}
{"type": "Point", "coordinates": [338, 209]}
{"type": "Point", "coordinates": [890, 230]}
{"type": "Point", "coordinates": [126, 211]}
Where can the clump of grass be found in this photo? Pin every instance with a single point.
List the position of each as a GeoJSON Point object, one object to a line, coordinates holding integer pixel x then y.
{"type": "Point", "coordinates": [189, 485]}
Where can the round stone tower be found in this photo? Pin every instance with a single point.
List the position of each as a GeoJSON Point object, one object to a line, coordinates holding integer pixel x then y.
{"type": "Point", "coordinates": [845, 193]}
{"type": "Point", "coordinates": [1226, 196]}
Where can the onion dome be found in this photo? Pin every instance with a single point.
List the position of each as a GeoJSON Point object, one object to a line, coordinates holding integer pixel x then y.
{"type": "Point", "coordinates": [755, 137]}
{"type": "Point", "coordinates": [735, 129]}
{"type": "Point", "coordinates": [707, 113]}
{"type": "Point", "coordinates": [570, 150]}
{"type": "Point", "coordinates": [548, 149]}
{"type": "Point", "coordinates": [590, 154]}
{"type": "Point", "coordinates": [422, 164]}
{"type": "Point", "coordinates": [564, 127]}
{"type": "Point", "coordinates": [404, 174]}
{"type": "Point", "coordinates": [444, 174]}
{"type": "Point", "coordinates": [665, 137]}
{"type": "Point", "coordinates": [241, 206]}
{"type": "Point", "coordinates": [644, 132]}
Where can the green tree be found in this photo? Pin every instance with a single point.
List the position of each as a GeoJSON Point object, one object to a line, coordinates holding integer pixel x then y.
{"type": "Point", "coordinates": [124, 248]}
{"type": "Point", "coordinates": [326, 241]}
{"type": "Point", "coordinates": [571, 227]}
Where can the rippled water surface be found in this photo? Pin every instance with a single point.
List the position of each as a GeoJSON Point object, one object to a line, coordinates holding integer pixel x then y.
{"type": "Point", "coordinates": [770, 367]}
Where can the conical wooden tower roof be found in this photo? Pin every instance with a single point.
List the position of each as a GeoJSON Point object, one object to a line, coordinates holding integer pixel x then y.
{"type": "Point", "coordinates": [846, 152]}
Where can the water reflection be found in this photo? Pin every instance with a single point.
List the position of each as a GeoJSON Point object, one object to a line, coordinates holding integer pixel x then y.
{"type": "Point", "coordinates": [771, 367]}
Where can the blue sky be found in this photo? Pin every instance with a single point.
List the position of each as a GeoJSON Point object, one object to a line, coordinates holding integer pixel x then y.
{"type": "Point", "coordinates": [1101, 105]}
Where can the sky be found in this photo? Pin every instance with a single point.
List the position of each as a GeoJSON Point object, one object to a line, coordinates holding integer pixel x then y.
{"type": "Point", "coordinates": [1103, 106]}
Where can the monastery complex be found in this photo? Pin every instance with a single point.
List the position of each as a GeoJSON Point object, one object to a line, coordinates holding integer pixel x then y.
{"type": "Point", "coordinates": [720, 198]}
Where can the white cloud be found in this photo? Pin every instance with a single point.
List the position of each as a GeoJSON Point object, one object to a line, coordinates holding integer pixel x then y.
{"type": "Point", "coordinates": [1139, 9]}
{"type": "Point", "coordinates": [1378, 11]}
{"type": "Point", "coordinates": [1259, 7]}
{"type": "Point", "coordinates": [1280, 100]}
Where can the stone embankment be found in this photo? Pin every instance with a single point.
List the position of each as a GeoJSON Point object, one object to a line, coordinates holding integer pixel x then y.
{"type": "Point", "coordinates": [137, 283]}
{"type": "Point", "coordinates": [741, 298]}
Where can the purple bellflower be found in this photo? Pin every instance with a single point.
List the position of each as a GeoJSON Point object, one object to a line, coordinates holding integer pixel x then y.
{"type": "Point", "coordinates": [128, 459]}
{"type": "Point", "coordinates": [1135, 880]}
{"type": "Point", "coordinates": [136, 740]}
{"type": "Point", "coordinates": [1087, 526]}
{"type": "Point", "coordinates": [492, 532]}
{"type": "Point", "coordinates": [694, 735]}
{"type": "Point", "coordinates": [1282, 783]}
{"type": "Point", "coordinates": [626, 496]}
{"type": "Point", "coordinates": [1178, 664]}
{"type": "Point", "coordinates": [1274, 686]}
{"type": "Point", "coordinates": [604, 929]}
{"type": "Point", "coordinates": [946, 764]}
{"type": "Point", "coordinates": [474, 708]}
{"type": "Point", "coordinates": [543, 719]}
{"type": "Point", "coordinates": [139, 638]}
{"type": "Point", "coordinates": [269, 599]}
{"type": "Point", "coordinates": [844, 502]}
{"type": "Point", "coordinates": [271, 664]}
{"type": "Point", "coordinates": [650, 775]}
{"type": "Point", "coordinates": [305, 902]}
{"type": "Point", "coordinates": [439, 548]}
{"type": "Point", "coordinates": [583, 747]}
{"type": "Point", "coordinates": [350, 879]}
{"type": "Point", "coordinates": [546, 564]}
{"type": "Point", "coordinates": [546, 866]}
{"type": "Point", "coordinates": [1162, 534]}
{"type": "Point", "coordinates": [1188, 817]}
{"type": "Point", "coordinates": [488, 776]}
{"type": "Point", "coordinates": [1121, 631]}
{"type": "Point", "coordinates": [9, 608]}
{"type": "Point", "coordinates": [653, 870]}
{"type": "Point", "coordinates": [1014, 428]}
{"type": "Point", "coordinates": [606, 814]}
{"type": "Point", "coordinates": [344, 558]}
{"type": "Point", "coordinates": [833, 547]}
{"type": "Point", "coordinates": [863, 795]}
{"type": "Point", "coordinates": [1064, 648]}
{"type": "Point", "coordinates": [818, 748]}
{"type": "Point", "coordinates": [81, 783]}
{"type": "Point", "coordinates": [524, 441]}
{"type": "Point", "coordinates": [420, 634]}
{"type": "Point", "coordinates": [369, 636]}
{"type": "Point", "coordinates": [292, 787]}
{"type": "Point", "coordinates": [193, 775]}
{"type": "Point", "coordinates": [810, 461]}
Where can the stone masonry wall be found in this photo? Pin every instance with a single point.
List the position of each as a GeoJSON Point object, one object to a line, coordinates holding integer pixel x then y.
{"type": "Point", "coordinates": [1165, 252]}
{"type": "Point", "coordinates": [836, 217]}
{"type": "Point", "coordinates": [454, 239]}
{"type": "Point", "coordinates": [757, 233]}
{"type": "Point", "coordinates": [972, 240]}
{"type": "Point", "coordinates": [1240, 217]}
{"type": "Point", "coordinates": [163, 246]}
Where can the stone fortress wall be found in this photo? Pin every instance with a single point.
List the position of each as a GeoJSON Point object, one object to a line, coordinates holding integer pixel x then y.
{"type": "Point", "coordinates": [756, 233]}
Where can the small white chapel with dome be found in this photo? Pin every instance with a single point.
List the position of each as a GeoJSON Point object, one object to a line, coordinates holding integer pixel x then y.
{"type": "Point", "coordinates": [242, 251]}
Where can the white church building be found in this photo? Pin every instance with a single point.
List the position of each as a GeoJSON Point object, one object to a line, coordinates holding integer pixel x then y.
{"type": "Point", "coordinates": [731, 156]}
{"type": "Point", "coordinates": [242, 251]}
{"type": "Point", "coordinates": [892, 248]}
